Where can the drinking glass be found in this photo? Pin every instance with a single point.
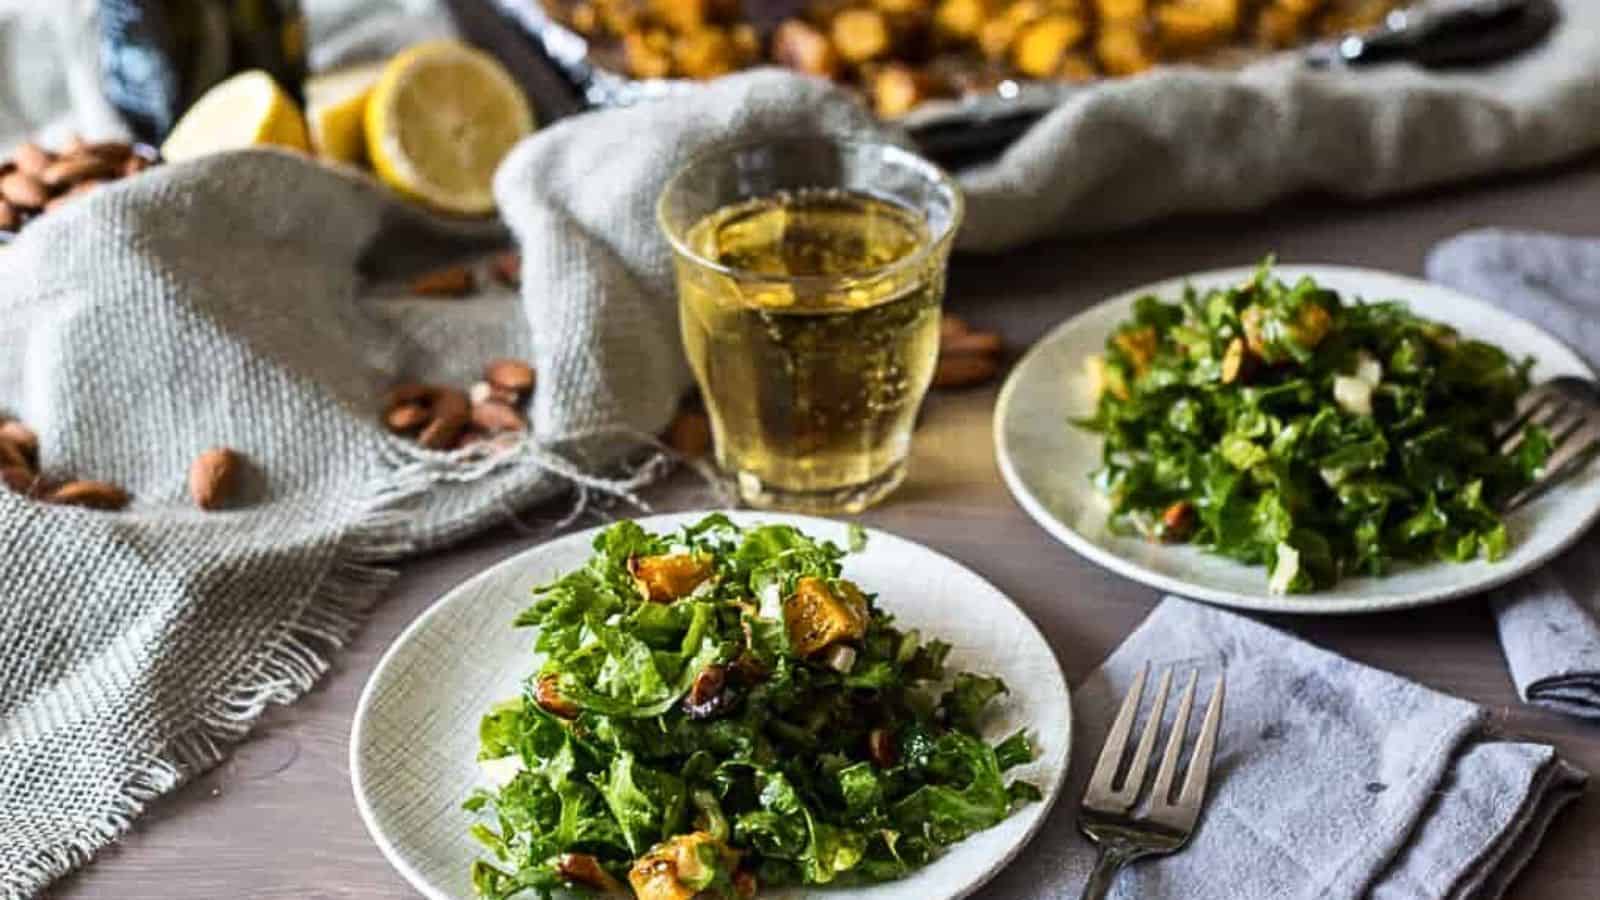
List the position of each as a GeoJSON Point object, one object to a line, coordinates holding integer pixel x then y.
{"type": "Point", "coordinates": [810, 274]}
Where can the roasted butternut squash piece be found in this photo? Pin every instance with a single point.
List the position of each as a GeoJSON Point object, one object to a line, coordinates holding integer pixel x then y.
{"type": "Point", "coordinates": [648, 53]}
{"type": "Point", "coordinates": [800, 46]}
{"type": "Point", "coordinates": [960, 19]}
{"type": "Point", "coordinates": [660, 873]}
{"type": "Point", "coordinates": [1121, 10]}
{"type": "Point", "coordinates": [1122, 49]}
{"type": "Point", "coordinates": [818, 615]}
{"type": "Point", "coordinates": [704, 52]}
{"type": "Point", "coordinates": [1139, 345]}
{"type": "Point", "coordinates": [860, 35]}
{"type": "Point", "coordinates": [1042, 45]}
{"type": "Point", "coordinates": [663, 579]}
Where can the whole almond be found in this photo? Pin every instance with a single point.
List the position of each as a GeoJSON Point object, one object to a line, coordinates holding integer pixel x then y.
{"type": "Point", "coordinates": [213, 476]}
{"type": "Point", "coordinates": [110, 151]}
{"type": "Point", "coordinates": [493, 417]}
{"type": "Point", "coordinates": [23, 191]}
{"type": "Point", "coordinates": [690, 434]}
{"type": "Point", "coordinates": [407, 392]}
{"type": "Point", "coordinates": [511, 375]}
{"type": "Point", "coordinates": [508, 267]}
{"type": "Point", "coordinates": [69, 170]}
{"type": "Point", "coordinates": [21, 437]}
{"type": "Point", "coordinates": [13, 455]}
{"type": "Point", "coordinates": [406, 417]}
{"type": "Point", "coordinates": [10, 219]}
{"type": "Point", "coordinates": [90, 495]}
{"type": "Point", "coordinates": [455, 281]}
{"type": "Point", "coordinates": [18, 478]}
{"type": "Point", "coordinates": [970, 342]}
{"type": "Point", "coordinates": [31, 158]}
{"type": "Point", "coordinates": [452, 411]}
{"type": "Point", "coordinates": [965, 369]}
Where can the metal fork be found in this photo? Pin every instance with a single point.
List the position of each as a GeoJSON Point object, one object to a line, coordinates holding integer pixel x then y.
{"type": "Point", "coordinates": [1569, 408]}
{"type": "Point", "coordinates": [1107, 815]}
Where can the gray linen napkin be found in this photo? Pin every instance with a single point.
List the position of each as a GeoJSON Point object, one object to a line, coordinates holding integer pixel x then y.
{"type": "Point", "coordinates": [1547, 622]}
{"type": "Point", "coordinates": [1332, 779]}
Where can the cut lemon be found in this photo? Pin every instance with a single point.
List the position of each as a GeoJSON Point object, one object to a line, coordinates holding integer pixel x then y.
{"type": "Point", "coordinates": [246, 110]}
{"type": "Point", "coordinates": [439, 121]}
{"type": "Point", "coordinates": [336, 105]}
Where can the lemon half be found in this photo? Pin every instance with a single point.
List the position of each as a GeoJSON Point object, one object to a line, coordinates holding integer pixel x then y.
{"type": "Point", "coordinates": [439, 121]}
{"type": "Point", "coordinates": [244, 111]}
{"type": "Point", "coordinates": [336, 108]}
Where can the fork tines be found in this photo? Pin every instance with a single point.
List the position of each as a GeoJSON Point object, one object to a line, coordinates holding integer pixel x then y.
{"type": "Point", "coordinates": [1106, 795]}
{"type": "Point", "coordinates": [1569, 409]}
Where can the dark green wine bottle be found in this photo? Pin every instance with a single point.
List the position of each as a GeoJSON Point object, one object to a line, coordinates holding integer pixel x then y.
{"type": "Point", "coordinates": [159, 56]}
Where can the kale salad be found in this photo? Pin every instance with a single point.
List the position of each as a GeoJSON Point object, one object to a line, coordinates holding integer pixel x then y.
{"type": "Point", "coordinates": [718, 710]}
{"type": "Point", "coordinates": [1285, 426]}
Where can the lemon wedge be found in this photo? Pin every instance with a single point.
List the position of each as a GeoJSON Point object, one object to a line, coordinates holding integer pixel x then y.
{"type": "Point", "coordinates": [439, 121]}
{"type": "Point", "coordinates": [336, 107]}
{"type": "Point", "coordinates": [246, 110]}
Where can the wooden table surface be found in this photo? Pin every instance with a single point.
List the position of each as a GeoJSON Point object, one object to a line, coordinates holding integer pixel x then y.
{"type": "Point", "coordinates": [278, 821]}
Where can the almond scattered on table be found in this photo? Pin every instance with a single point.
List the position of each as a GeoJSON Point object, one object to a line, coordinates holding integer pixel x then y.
{"type": "Point", "coordinates": [213, 476]}
{"type": "Point", "coordinates": [967, 357]}
{"type": "Point", "coordinates": [451, 281]}
{"type": "Point", "coordinates": [690, 434]}
{"type": "Point", "coordinates": [37, 180]}
{"type": "Point", "coordinates": [90, 495]}
{"type": "Point", "coordinates": [440, 417]}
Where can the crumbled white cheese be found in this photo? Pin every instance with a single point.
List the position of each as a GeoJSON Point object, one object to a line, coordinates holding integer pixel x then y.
{"type": "Point", "coordinates": [500, 772]}
{"type": "Point", "coordinates": [1368, 368]}
{"type": "Point", "coordinates": [1284, 572]}
{"type": "Point", "coordinates": [1353, 395]}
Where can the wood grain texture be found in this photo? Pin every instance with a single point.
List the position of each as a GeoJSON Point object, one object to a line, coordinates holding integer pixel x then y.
{"type": "Point", "coordinates": [278, 820]}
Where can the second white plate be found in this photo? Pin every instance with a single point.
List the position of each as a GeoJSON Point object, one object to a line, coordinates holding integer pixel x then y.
{"type": "Point", "coordinates": [1046, 461]}
{"type": "Point", "coordinates": [416, 728]}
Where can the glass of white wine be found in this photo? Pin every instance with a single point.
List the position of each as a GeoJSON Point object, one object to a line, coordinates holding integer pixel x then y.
{"type": "Point", "coordinates": [810, 275]}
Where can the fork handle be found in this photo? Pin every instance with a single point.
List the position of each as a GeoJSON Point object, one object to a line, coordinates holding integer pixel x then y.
{"type": "Point", "coordinates": [1106, 866]}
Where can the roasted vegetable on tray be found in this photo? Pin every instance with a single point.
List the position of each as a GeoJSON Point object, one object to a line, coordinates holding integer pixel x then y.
{"type": "Point", "coordinates": [1285, 426]}
{"type": "Point", "coordinates": [719, 710]}
{"type": "Point", "coordinates": [903, 52]}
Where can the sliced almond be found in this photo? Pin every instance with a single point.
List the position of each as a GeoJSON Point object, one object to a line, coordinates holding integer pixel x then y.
{"type": "Point", "coordinates": [452, 411]}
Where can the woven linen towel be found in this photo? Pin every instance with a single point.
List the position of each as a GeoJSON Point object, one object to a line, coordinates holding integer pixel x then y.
{"type": "Point", "coordinates": [1547, 621]}
{"type": "Point", "coordinates": [1332, 780]}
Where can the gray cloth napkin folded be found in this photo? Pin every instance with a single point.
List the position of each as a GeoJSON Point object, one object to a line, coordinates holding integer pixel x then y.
{"type": "Point", "coordinates": [1332, 779]}
{"type": "Point", "coordinates": [1548, 621]}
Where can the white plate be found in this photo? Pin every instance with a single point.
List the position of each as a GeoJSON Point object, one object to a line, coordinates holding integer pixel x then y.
{"type": "Point", "coordinates": [415, 733]}
{"type": "Point", "coordinates": [1046, 461]}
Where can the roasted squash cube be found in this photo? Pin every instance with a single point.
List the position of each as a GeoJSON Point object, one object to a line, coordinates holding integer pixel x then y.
{"type": "Point", "coordinates": [663, 579]}
{"type": "Point", "coordinates": [1042, 45]}
{"type": "Point", "coordinates": [660, 873]}
{"type": "Point", "coordinates": [647, 53]}
{"type": "Point", "coordinates": [704, 52]}
{"type": "Point", "coordinates": [960, 19]}
{"type": "Point", "coordinates": [1122, 49]}
{"type": "Point", "coordinates": [1121, 10]}
{"type": "Point", "coordinates": [1139, 346]}
{"type": "Point", "coordinates": [800, 46]}
{"type": "Point", "coordinates": [819, 615]}
{"type": "Point", "coordinates": [898, 88]}
{"type": "Point", "coordinates": [860, 35]}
